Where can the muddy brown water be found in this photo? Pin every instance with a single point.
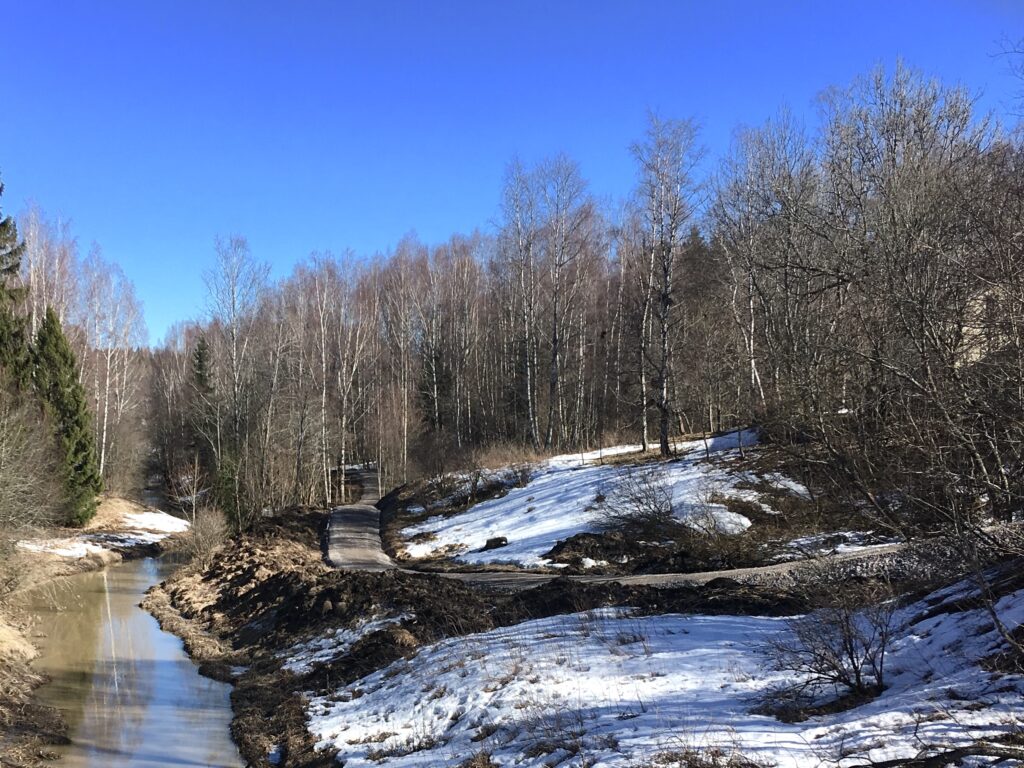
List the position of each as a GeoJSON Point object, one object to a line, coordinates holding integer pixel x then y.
{"type": "Point", "coordinates": [129, 693]}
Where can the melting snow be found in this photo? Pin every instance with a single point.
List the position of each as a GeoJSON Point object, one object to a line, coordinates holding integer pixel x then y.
{"type": "Point", "coordinates": [148, 527]}
{"type": "Point", "coordinates": [320, 650]}
{"type": "Point", "coordinates": [72, 547]}
{"type": "Point", "coordinates": [622, 688]}
{"type": "Point", "coordinates": [564, 497]}
{"type": "Point", "coordinates": [155, 521]}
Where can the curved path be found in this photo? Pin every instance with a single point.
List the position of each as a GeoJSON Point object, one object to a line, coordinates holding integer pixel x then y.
{"type": "Point", "coordinates": [353, 543]}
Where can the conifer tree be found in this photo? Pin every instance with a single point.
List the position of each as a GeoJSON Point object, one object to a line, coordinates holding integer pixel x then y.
{"type": "Point", "coordinates": [56, 380]}
{"type": "Point", "coordinates": [15, 359]}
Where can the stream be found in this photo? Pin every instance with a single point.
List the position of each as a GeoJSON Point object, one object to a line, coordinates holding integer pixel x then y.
{"type": "Point", "coordinates": [130, 694]}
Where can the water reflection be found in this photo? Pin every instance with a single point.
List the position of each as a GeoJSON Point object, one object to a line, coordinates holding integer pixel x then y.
{"type": "Point", "coordinates": [129, 693]}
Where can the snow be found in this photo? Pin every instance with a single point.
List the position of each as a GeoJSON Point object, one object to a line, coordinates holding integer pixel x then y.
{"type": "Point", "coordinates": [556, 504]}
{"type": "Point", "coordinates": [77, 547]}
{"type": "Point", "coordinates": [155, 520]}
{"type": "Point", "coordinates": [302, 657]}
{"type": "Point", "coordinates": [565, 496]}
{"type": "Point", "coordinates": [621, 688]}
{"type": "Point", "coordinates": [143, 528]}
{"type": "Point", "coordinates": [788, 484]}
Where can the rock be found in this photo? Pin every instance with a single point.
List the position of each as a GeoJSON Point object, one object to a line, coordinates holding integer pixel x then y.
{"type": "Point", "coordinates": [496, 543]}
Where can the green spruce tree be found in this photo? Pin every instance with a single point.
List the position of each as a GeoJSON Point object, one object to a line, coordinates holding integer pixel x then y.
{"type": "Point", "coordinates": [56, 380]}
{"type": "Point", "coordinates": [15, 358]}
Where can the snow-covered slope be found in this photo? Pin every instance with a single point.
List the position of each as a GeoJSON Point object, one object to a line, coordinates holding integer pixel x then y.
{"type": "Point", "coordinates": [619, 689]}
{"type": "Point", "coordinates": [566, 494]}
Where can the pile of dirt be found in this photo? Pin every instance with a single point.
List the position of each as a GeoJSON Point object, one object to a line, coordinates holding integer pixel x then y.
{"type": "Point", "coordinates": [626, 553]}
{"type": "Point", "coordinates": [717, 597]}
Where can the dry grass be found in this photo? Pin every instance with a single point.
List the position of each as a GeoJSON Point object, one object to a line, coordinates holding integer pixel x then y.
{"type": "Point", "coordinates": [27, 729]}
{"type": "Point", "coordinates": [110, 513]}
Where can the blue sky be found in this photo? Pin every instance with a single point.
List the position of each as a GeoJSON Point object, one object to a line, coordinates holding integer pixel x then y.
{"type": "Point", "coordinates": [316, 125]}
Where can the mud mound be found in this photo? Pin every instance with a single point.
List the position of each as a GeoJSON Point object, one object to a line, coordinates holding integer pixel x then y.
{"type": "Point", "coordinates": [622, 553]}
{"type": "Point", "coordinates": [613, 548]}
{"type": "Point", "coordinates": [718, 597]}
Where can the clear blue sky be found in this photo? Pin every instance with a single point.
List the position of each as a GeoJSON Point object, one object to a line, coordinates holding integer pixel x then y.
{"type": "Point", "coordinates": [313, 125]}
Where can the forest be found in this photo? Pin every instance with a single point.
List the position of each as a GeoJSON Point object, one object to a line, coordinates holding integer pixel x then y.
{"type": "Point", "coordinates": [853, 288]}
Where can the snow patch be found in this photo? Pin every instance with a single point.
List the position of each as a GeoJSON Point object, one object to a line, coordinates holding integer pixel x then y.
{"type": "Point", "coordinates": [627, 687]}
{"type": "Point", "coordinates": [76, 548]}
{"type": "Point", "coordinates": [155, 520]}
{"type": "Point", "coordinates": [321, 650]}
{"type": "Point", "coordinates": [565, 496]}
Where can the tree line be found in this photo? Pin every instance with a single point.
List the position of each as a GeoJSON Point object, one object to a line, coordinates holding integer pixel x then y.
{"type": "Point", "coordinates": [49, 468]}
{"type": "Point", "coordinates": [853, 287]}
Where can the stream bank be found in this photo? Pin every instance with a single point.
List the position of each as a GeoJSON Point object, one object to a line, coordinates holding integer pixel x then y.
{"type": "Point", "coordinates": [128, 693]}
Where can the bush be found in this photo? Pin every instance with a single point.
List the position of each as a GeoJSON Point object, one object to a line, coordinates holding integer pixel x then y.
{"type": "Point", "coordinates": [843, 642]}
{"type": "Point", "coordinates": [208, 531]}
{"type": "Point", "coordinates": [30, 495]}
{"type": "Point", "coordinates": [642, 504]}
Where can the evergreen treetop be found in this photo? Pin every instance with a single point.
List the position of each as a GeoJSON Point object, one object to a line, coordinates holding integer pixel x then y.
{"type": "Point", "coordinates": [56, 380]}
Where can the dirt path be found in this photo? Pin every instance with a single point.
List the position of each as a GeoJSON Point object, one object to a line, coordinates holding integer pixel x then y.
{"type": "Point", "coordinates": [517, 580]}
{"type": "Point", "coordinates": [353, 543]}
{"type": "Point", "coordinates": [353, 531]}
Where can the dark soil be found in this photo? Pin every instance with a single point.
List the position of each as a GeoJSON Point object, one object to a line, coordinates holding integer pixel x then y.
{"type": "Point", "coordinates": [624, 552]}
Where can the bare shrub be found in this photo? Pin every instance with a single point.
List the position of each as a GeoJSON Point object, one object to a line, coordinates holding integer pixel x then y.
{"type": "Point", "coordinates": [10, 570]}
{"type": "Point", "coordinates": [641, 503]}
{"type": "Point", "coordinates": [19, 569]}
{"type": "Point", "coordinates": [704, 758]}
{"type": "Point", "coordinates": [481, 759]}
{"type": "Point", "coordinates": [208, 530]}
{"type": "Point", "coordinates": [208, 525]}
{"type": "Point", "coordinates": [30, 494]}
{"type": "Point", "coordinates": [843, 643]}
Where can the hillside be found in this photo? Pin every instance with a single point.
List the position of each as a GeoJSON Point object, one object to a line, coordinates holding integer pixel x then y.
{"type": "Point", "coordinates": [409, 668]}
